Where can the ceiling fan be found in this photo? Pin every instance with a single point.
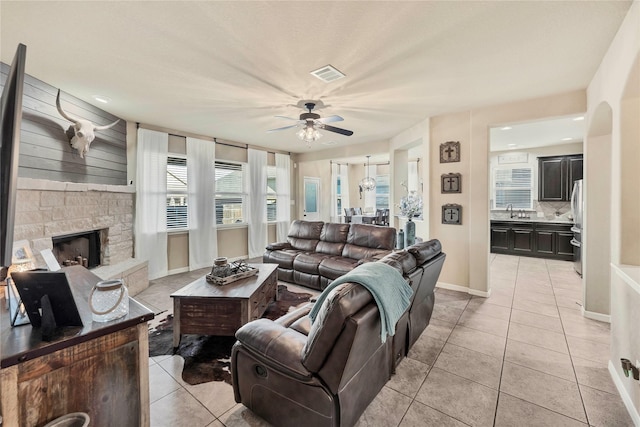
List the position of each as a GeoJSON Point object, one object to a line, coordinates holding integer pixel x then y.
{"type": "Point", "coordinates": [310, 123]}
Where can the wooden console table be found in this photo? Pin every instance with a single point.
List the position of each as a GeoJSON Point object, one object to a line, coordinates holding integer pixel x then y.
{"type": "Point", "coordinates": [204, 308]}
{"type": "Point", "coordinates": [101, 368]}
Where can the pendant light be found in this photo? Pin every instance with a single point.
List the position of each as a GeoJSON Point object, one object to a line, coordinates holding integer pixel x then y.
{"type": "Point", "coordinates": [368, 183]}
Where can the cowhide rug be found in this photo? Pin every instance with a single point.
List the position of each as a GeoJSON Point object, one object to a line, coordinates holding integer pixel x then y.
{"type": "Point", "coordinates": [207, 357]}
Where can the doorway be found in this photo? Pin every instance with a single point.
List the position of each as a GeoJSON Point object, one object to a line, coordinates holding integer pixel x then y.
{"type": "Point", "coordinates": [311, 198]}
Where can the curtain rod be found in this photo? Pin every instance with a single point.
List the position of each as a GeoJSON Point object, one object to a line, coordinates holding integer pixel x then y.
{"type": "Point", "coordinates": [182, 134]}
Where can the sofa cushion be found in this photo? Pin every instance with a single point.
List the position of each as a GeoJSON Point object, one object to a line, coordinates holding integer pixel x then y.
{"type": "Point", "coordinates": [425, 251]}
{"type": "Point", "coordinates": [404, 258]}
{"type": "Point", "coordinates": [334, 267]}
{"type": "Point", "coordinates": [333, 238]}
{"type": "Point", "coordinates": [362, 252]}
{"type": "Point", "coordinates": [284, 258]}
{"type": "Point", "coordinates": [309, 262]}
{"type": "Point", "coordinates": [305, 235]}
{"type": "Point", "coordinates": [372, 236]}
{"type": "Point", "coordinates": [342, 302]}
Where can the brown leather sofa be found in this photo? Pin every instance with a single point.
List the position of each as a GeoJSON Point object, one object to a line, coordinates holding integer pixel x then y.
{"type": "Point", "coordinates": [291, 372]}
{"type": "Point", "coordinates": [317, 252]}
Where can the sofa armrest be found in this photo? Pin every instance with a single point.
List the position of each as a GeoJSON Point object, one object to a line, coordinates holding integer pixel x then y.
{"type": "Point", "coordinates": [275, 344]}
{"type": "Point", "coordinates": [278, 246]}
{"type": "Point", "coordinates": [289, 318]}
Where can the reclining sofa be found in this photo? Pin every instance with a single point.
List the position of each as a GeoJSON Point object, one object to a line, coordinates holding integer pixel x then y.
{"type": "Point", "coordinates": [317, 253]}
{"type": "Point", "coordinates": [292, 372]}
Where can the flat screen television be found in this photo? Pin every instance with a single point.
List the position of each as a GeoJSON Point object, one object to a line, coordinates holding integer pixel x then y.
{"type": "Point", "coordinates": [11, 117]}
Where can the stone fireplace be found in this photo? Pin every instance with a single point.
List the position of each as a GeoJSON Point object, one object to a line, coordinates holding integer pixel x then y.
{"type": "Point", "coordinates": [50, 212]}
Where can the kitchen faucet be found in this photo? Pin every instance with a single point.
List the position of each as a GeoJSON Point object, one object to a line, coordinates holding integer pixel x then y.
{"type": "Point", "coordinates": [510, 206]}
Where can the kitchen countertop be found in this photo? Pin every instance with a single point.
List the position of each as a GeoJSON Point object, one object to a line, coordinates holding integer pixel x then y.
{"type": "Point", "coordinates": [536, 219]}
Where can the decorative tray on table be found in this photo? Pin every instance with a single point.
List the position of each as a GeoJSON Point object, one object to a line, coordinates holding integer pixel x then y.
{"type": "Point", "coordinates": [224, 274]}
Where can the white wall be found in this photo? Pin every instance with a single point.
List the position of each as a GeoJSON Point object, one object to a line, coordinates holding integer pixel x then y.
{"type": "Point", "coordinates": [615, 84]}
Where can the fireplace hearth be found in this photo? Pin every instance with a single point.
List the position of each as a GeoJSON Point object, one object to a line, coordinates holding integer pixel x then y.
{"type": "Point", "coordinates": [78, 249]}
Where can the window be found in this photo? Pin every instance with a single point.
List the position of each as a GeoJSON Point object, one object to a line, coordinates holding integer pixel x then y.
{"type": "Point", "coordinates": [271, 194]}
{"type": "Point", "coordinates": [513, 186]}
{"type": "Point", "coordinates": [338, 197]}
{"type": "Point", "coordinates": [382, 192]}
{"type": "Point", "coordinates": [230, 193]}
{"type": "Point", "coordinates": [176, 193]}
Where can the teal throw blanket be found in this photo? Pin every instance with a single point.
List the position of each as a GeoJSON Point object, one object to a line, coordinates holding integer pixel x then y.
{"type": "Point", "coordinates": [389, 289]}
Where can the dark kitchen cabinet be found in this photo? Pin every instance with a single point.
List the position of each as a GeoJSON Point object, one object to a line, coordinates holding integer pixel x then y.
{"type": "Point", "coordinates": [522, 238]}
{"type": "Point", "coordinates": [499, 238]}
{"type": "Point", "coordinates": [556, 175]}
{"type": "Point", "coordinates": [544, 242]}
{"type": "Point", "coordinates": [534, 239]}
{"type": "Point", "coordinates": [565, 248]}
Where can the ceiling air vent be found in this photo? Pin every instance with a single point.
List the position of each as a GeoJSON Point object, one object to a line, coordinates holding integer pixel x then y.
{"type": "Point", "coordinates": [327, 74]}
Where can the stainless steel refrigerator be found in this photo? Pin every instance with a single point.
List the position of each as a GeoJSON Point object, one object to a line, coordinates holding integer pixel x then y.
{"type": "Point", "coordinates": [577, 209]}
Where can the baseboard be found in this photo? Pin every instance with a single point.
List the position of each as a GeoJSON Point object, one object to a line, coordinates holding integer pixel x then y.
{"type": "Point", "coordinates": [459, 288]}
{"type": "Point", "coordinates": [178, 270]}
{"type": "Point", "coordinates": [624, 394]}
{"type": "Point", "coordinates": [596, 316]}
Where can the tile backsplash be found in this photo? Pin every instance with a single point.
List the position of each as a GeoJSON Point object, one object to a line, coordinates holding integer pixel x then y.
{"type": "Point", "coordinates": [548, 210]}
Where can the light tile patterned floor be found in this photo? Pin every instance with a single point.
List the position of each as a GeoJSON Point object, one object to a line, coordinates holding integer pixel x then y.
{"type": "Point", "coordinates": [523, 357]}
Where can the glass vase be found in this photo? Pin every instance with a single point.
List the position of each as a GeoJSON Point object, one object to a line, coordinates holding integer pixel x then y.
{"type": "Point", "coordinates": [409, 233]}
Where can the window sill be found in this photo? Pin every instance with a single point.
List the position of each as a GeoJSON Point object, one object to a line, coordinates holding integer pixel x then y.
{"type": "Point", "coordinates": [232, 226]}
{"type": "Point", "coordinates": [178, 231]}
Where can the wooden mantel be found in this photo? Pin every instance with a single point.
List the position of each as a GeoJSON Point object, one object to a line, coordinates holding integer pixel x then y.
{"type": "Point", "coordinates": [101, 368]}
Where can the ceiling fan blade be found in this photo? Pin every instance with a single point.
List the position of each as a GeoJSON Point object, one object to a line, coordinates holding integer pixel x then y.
{"type": "Point", "coordinates": [283, 128]}
{"type": "Point", "coordinates": [337, 130]}
{"type": "Point", "coordinates": [330, 119]}
{"type": "Point", "coordinates": [288, 118]}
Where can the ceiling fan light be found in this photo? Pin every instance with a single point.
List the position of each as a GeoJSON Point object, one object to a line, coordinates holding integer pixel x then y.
{"type": "Point", "coordinates": [308, 134]}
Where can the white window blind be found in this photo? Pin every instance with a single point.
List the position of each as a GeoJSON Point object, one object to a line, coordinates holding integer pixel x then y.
{"type": "Point", "coordinates": [271, 194]}
{"type": "Point", "coordinates": [382, 192]}
{"type": "Point", "coordinates": [230, 193]}
{"type": "Point", "coordinates": [176, 193]}
{"type": "Point", "coordinates": [513, 186]}
{"type": "Point", "coordinates": [338, 196]}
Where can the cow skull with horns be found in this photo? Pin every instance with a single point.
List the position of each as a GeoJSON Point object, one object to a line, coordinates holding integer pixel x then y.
{"type": "Point", "coordinates": [82, 132]}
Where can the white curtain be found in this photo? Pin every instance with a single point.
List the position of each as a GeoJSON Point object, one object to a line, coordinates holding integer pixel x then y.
{"type": "Point", "coordinates": [151, 201]}
{"type": "Point", "coordinates": [344, 186]}
{"type": "Point", "coordinates": [370, 196]}
{"type": "Point", "coordinates": [335, 172]}
{"type": "Point", "coordinates": [201, 178]}
{"type": "Point", "coordinates": [283, 197]}
{"type": "Point", "coordinates": [413, 179]}
{"type": "Point", "coordinates": [257, 202]}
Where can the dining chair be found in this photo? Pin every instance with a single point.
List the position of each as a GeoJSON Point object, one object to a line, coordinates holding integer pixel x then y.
{"type": "Point", "coordinates": [358, 211]}
{"type": "Point", "coordinates": [379, 217]}
{"type": "Point", "coordinates": [347, 215]}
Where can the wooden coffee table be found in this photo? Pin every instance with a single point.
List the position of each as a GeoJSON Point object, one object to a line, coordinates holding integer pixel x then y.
{"type": "Point", "coordinates": [204, 308]}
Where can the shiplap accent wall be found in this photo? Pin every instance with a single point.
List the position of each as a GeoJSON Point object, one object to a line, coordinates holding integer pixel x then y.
{"type": "Point", "coordinates": [45, 152]}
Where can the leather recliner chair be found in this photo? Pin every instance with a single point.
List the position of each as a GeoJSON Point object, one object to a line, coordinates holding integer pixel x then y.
{"type": "Point", "coordinates": [291, 372]}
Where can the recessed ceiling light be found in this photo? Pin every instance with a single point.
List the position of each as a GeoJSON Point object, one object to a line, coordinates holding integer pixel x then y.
{"type": "Point", "coordinates": [512, 145]}
{"type": "Point", "coordinates": [506, 128]}
{"type": "Point", "coordinates": [101, 98]}
{"type": "Point", "coordinates": [567, 139]}
{"type": "Point", "coordinates": [327, 74]}
{"type": "Point", "coordinates": [577, 119]}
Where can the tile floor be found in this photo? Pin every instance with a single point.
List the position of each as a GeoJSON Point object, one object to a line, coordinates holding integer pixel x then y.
{"type": "Point", "coordinates": [523, 357]}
